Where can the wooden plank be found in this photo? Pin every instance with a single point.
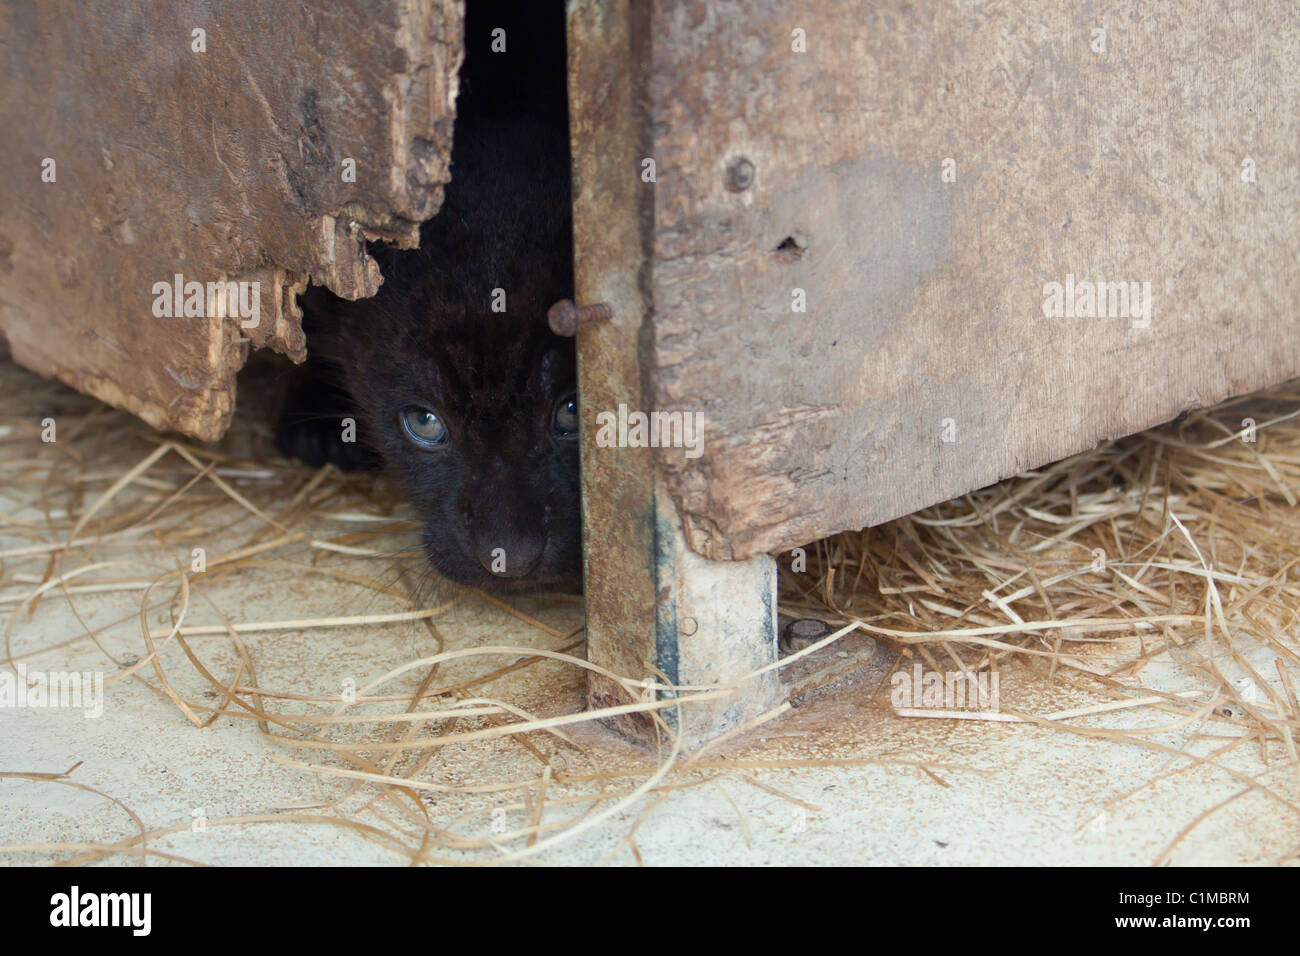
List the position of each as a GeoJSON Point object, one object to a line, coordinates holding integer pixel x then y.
{"type": "Point", "coordinates": [1164, 152]}
{"type": "Point", "coordinates": [655, 610]}
{"type": "Point", "coordinates": [224, 163]}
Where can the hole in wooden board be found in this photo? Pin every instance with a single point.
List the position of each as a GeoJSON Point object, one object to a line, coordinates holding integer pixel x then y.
{"type": "Point", "coordinates": [790, 249]}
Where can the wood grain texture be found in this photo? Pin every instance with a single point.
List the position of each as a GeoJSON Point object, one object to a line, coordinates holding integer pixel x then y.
{"type": "Point", "coordinates": [655, 610]}
{"type": "Point", "coordinates": [611, 235]}
{"type": "Point", "coordinates": [222, 164]}
{"type": "Point", "coordinates": [924, 297]}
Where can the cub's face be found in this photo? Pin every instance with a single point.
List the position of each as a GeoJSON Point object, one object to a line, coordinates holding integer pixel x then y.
{"type": "Point", "coordinates": [480, 424]}
{"type": "Point", "coordinates": [473, 409]}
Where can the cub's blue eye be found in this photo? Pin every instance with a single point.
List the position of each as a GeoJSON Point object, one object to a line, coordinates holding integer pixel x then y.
{"type": "Point", "coordinates": [566, 416]}
{"type": "Point", "coordinates": [423, 426]}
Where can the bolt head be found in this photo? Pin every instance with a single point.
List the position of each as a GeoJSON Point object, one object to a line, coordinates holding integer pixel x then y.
{"type": "Point", "coordinates": [740, 175]}
{"type": "Point", "coordinates": [563, 318]}
{"type": "Point", "coordinates": [799, 634]}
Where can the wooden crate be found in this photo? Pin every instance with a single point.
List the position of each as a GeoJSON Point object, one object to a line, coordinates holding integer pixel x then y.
{"type": "Point", "coordinates": [838, 231]}
{"type": "Point", "coordinates": [862, 221]}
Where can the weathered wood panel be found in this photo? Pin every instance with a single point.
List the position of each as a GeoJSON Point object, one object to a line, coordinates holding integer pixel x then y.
{"type": "Point", "coordinates": [1166, 151]}
{"type": "Point", "coordinates": [224, 163]}
{"type": "Point", "coordinates": [654, 609]}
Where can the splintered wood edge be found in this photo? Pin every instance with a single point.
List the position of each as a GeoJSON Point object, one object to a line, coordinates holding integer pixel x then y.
{"type": "Point", "coordinates": [341, 238]}
{"type": "Point", "coordinates": [420, 97]}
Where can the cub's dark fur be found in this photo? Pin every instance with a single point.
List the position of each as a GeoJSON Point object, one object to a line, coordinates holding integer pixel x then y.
{"type": "Point", "coordinates": [505, 474]}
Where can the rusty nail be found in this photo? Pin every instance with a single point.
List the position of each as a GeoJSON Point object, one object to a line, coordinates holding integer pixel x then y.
{"type": "Point", "coordinates": [564, 317]}
{"type": "Point", "coordinates": [740, 175]}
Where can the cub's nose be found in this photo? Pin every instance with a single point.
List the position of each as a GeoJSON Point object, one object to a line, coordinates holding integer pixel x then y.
{"type": "Point", "coordinates": [516, 557]}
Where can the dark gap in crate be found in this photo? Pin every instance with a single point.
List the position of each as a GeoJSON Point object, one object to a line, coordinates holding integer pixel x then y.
{"type": "Point", "coordinates": [528, 78]}
{"type": "Point", "coordinates": [456, 339]}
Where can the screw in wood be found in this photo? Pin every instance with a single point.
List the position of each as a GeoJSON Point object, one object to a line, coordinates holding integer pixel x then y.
{"type": "Point", "coordinates": [740, 175]}
{"type": "Point", "coordinates": [564, 317]}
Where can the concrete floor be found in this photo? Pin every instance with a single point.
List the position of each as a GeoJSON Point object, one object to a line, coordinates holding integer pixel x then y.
{"type": "Point", "coordinates": [893, 790]}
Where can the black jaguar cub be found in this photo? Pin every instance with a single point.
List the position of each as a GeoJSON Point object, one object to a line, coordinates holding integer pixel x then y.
{"type": "Point", "coordinates": [474, 410]}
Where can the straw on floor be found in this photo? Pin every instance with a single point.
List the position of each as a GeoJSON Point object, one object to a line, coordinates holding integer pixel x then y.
{"type": "Point", "coordinates": [1176, 548]}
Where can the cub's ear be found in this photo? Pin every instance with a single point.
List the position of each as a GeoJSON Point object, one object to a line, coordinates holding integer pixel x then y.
{"type": "Point", "coordinates": [319, 307]}
{"type": "Point", "coordinates": [323, 315]}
